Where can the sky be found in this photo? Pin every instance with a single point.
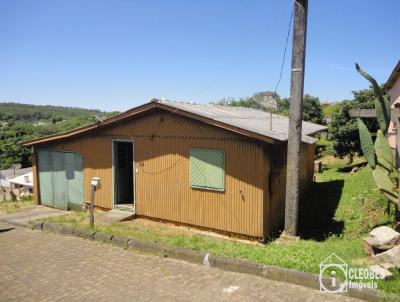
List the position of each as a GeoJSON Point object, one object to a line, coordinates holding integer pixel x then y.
{"type": "Point", "coordinates": [115, 55]}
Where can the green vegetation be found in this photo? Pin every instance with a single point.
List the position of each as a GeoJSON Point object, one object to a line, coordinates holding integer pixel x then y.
{"type": "Point", "coordinates": [339, 210]}
{"type": "Point", "coordinates": [36, 113]}
{"type": "Point", "coordinates": [343, 129]}
{"type": "Point", "coordinates": [312, 108]}
{"type": "Point", "coordinates": [323, 148]}
{"type": "Point", "coordinates": [379, 155]}
{"type": "Point", "coordinates": [20, 122]}
{"type": "Point", "coordinates": [9, 206]}
{"type": "Point", "coordinates": [329, 108]}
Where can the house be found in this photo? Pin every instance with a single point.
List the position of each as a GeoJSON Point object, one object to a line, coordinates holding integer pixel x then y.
{"type": "Point", "coordinates": [393, 87]}
{"type": "Point", "coordinates": [23, 184]}
{"type": "Point", "coordinates": [6, 191]}
{"type": "Point", "coordinates": [214, 167]}
{"type": "Point", "coordinates": [6, 175]}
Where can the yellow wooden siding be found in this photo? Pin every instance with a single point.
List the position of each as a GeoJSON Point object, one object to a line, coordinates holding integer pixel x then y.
{"type": "Point", "coordinates": [162, 142]}
{"type": "Point", "coordinates": [163, 188]}
{"type": "Point", "coordinates": [278, 179]}
{"type": "Point", "coordinates": [307, 166]}
{"type": "Point", "coordinates": [35, 180]}
{"type": "Point", "coordinates": [96, 154]}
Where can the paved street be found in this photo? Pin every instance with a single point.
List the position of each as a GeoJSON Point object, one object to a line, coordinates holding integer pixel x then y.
{"type": "Point", "coordinates": [35, 266]}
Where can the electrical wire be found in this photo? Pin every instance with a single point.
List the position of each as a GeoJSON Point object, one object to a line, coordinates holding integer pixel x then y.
{"type": "Point", "coordinates": [243, 53]}
{"type": "Point", "coordinates": [284, 52]}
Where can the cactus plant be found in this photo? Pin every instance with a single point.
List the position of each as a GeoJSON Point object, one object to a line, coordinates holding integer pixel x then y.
{"type": "Point", "coordinates": [385, 183]}
{"type": "Point", "coordinates": [379, 155]}
{"type": "Point", "coordinates": [382, 104]}
{"type": "Point", "coordinates": [383, 152]}
{"type": "Point", "coordinates": [367, 145]}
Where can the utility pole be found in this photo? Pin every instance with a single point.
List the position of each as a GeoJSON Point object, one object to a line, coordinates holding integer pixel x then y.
{"type": "Point", "coordinates": [295, 117]}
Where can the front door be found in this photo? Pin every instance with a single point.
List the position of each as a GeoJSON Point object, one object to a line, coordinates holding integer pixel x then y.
{"type": "Point", "coordinates": [123, 173]}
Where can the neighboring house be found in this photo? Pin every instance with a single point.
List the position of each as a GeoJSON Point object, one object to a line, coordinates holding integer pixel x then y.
{"type": "Point", "coordinates": [393, 86]}
{"type": "Point", "coordinates": [6, 175]}
{"type": "Point", "coordinates": [23, 183]}
{"type": "Point", "coordinates": [6, 192]}
{"type": "Point", "coordinates": [213, 167]}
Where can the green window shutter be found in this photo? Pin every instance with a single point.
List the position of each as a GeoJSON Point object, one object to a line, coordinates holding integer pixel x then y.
{"type": "Point", "coordinates": [215, 170]}
{"type": "Point", "coordinates": [207, 169]}
{"type": "Point", "coordinates": [198, 166]}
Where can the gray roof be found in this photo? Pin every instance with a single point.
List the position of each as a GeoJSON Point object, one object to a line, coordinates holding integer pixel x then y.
{"type": "Point", "coordinates": [253, 120]}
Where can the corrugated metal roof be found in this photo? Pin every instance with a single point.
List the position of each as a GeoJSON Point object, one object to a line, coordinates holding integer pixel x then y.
{"type": "Point", "coordinates": [253, 120]}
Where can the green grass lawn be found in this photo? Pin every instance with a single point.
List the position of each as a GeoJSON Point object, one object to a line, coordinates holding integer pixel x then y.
{"type": "Point", "coordinates": [338, 211]}
{"type": "Point", "coordinates": [9, 206]}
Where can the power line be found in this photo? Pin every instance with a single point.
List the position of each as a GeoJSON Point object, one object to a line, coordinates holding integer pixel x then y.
{"type": "Point", "coordinates": [238, 58]}
{"type": "Point", "coordinates": [284, 52]}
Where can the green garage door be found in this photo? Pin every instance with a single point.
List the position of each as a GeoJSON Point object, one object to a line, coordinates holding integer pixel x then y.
{"type": "Point", "coordinates": [60, 179]}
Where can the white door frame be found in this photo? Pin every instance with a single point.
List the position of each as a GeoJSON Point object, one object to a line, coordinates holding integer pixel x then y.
{"type": "Point", "coordinates": [133, 170]}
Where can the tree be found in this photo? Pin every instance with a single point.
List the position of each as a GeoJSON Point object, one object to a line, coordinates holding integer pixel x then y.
{"type": "Point", "coordinates": [249, 102]}
{"type": "Point", "coordinates": [343, 129]}
{"type": "Point", "coordinates": [312, 110]}
{"type": "Point", "coordinates": [283, 106]}
{"type": "Point", "coordinates": [20, 122]}
{"type": "Point", "coordinates": [312, 105]}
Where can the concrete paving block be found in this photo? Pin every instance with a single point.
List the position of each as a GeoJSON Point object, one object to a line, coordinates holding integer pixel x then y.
{"type": "Point", "coordinates": [123, 275]}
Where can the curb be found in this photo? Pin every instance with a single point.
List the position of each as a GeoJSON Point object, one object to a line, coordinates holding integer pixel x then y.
{"type": "Point", "coordinates": [83, 234]}
{"type": "Point", "coordinates": [102, 237]}
{"type": "Point", "coordinates": [120, 241]}
{"type": "Point", "coordinates": [229, 264]}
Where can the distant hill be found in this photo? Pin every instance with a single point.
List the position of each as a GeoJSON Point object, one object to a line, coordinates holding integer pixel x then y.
{"type": "Point", "coordinates": [39, 113]}
{"type": "Point", "coordinates": [20, 122]}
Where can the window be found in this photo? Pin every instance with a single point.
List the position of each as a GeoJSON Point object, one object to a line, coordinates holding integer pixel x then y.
{"type": "Point", "coordinates": [207, 169]}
